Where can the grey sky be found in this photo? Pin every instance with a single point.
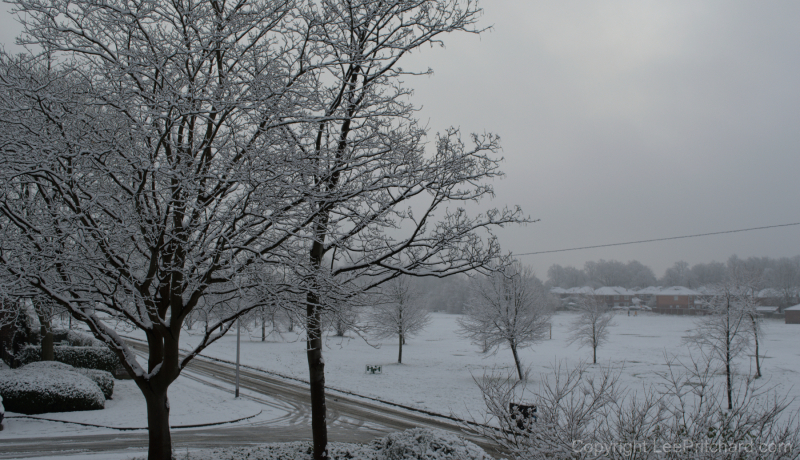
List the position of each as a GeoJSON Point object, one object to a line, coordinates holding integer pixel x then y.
{"type": "Point", "coordinates": [629, 120]}
{"type": "Point", "coordinates": [634, 120]}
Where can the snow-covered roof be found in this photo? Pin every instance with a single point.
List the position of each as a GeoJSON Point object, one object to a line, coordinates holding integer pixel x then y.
{"type": "Point", "coordinates": [650, 290]}
{"type": "Point", "coordinates": [585, 290]}
{"type": "Point", "coordinates": [613, 290]}
{"type": "Point", "coordinates": [558, 290]}
{"type": "Point", "coordinates": [794, 308]}
{"type": "Point", "coordinates": [678, 290]}
{"type": "Point", "coordinates": [767, 309]}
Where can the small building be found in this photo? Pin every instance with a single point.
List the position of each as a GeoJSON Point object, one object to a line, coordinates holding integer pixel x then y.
{"type": "Point", "coordinates": [678, 300]}
{"type": "Point", "coordinates": [614, 296]}
{"type": "Point", "coordinates": [793, 314]}
{"type": "Point", "coordinates": [767, 311]}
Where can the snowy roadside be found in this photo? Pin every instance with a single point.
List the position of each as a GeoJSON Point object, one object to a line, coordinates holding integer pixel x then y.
{"type": "Point", "coordinates": [439, 365]}
{"type": "Point", "coordinates": [192, 403]}
{"type": "Point", "coordinates": [414, 443]}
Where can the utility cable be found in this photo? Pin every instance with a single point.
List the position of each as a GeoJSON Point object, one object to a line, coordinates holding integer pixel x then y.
{"type": "Point", "coordinates": [657, 239]}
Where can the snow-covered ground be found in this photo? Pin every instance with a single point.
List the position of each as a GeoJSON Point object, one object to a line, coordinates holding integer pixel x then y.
{"type": "Point", "coordinates": [438, 365]}
{"type": "Point", "coordinates": [195, 404]}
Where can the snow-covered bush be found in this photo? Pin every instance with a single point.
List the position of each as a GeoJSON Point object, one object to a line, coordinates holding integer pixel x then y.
{"type": "Point", "coordinates": [414, 444]}
{"type": "Point", "coordinates": [48, 389]}
{"type": "Point", "coordinates": [28, 354]}
{"type": "Point", "coordinates": [584, 413]}
{"type": "Point", "coordinates": [75, 338]}
{"type": "Point", "coordinates": [85, 357]}
{"type": "Point", "coordinates": [103, 379]}
{"type": "Point", "coordinates": [2, 412]}
{"type": "Point", "coordinates": [426, 444]}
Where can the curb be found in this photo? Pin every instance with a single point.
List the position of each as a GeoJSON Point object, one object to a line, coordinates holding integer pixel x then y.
{"type": "Point", "coordinates": [338, 390]}
{"type": "Point", "coordinates": [172, 427]}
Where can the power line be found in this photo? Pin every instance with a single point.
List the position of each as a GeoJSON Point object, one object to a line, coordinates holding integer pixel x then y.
{"type": "Point", "coordinates": [658, 239]}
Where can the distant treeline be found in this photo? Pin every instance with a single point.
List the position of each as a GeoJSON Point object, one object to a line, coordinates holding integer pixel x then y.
{"type": "Point", "coordinates": [450, 294]}
{"type": "Point", "coordinates": [764, 272]}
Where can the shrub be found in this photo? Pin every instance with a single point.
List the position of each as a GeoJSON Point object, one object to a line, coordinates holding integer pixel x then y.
{"type": "Point", "coordinates": [85, 357]}
{"type": "Point", "coordinates": [75, 338]}
{"type": "Point", "coordinates": [104, 380]}
{"type": "Point", "coordinates": [40, 390]}
{"type": "Point", "coordinates": [425, 444]}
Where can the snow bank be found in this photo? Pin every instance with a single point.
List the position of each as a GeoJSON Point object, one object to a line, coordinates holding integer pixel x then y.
{"type": "Point", "coordinates": [84, 357]}
{"type": "Point", "coordinates": [426, 444]}
{"type": "Point", "coordinates": [48, 389]}
{"type": "Point", "coordinates": [415, 444]}
{"type": "Point", "coordinates": [104, 380]}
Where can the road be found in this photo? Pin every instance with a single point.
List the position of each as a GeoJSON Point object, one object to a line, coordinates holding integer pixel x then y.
{"type": "Point", "coordinates": [350, 419]}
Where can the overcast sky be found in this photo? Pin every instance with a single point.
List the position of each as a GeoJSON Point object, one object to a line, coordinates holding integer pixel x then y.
{"type": "Point", "coordinates": [629, 120]}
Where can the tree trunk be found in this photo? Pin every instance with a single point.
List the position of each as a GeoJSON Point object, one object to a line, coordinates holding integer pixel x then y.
{"type": "Point", "coordinates": [516, 360]}
{"type": "Point", "coordinates": [594, 354]}
{"type": "Point", "coordinates": [758, 361]}
{"type": "Point", "coordinates": [48, 352]}
{"type": "Point", "coordinates": [400, 352]}
{"type": "Point", "coordinates": [728, 377]}
{"type": "Point", "coordinates": [316, 373]}
{"type": "Point", "coordinates": [728, 372]}
{"type": "Point", "coordinates": [158, 423]}
{"type": "Point", "coordinates": [755, 337]}
{"type": "Point", "coordinates": [264, 328]}
{"type": "Point", "coordinates": [728, 357]}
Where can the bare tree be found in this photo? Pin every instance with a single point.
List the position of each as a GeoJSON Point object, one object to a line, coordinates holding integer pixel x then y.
{"type": "Point", "coordinates": [182, 151]}
{"type": "Point", "coordinates": [510, 308]}
{"type": "Point", "coordinates": [590, 415]}
{"type": "Point", "coordinates": [785, 277]}
{"type": "Point", "coordinates": [153, 149]}
{"type": "Point", "coordinates": [380, 205]}
{"type": "Point", "coordinates": [725, 332]}
{"type": "Point", "coordinates": [677, 275]}
{"type": "Point", "coordinates": [398, 313]}
{"type": "Point", "coordinates": [757, 333]}
{"type": "Point", "coordinates": [591, 328]}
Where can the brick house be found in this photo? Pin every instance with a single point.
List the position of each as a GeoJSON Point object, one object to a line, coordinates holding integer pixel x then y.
{"type": "Point", "coordinates": [678, 300]}
{"type": "Point", "coordinates": [614, 296]}
{"type": "Point", "coordinates": [792, 314]}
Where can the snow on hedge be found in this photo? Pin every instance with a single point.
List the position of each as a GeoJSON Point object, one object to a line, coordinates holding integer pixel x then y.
{"type": "Point", "coordinates": [103, 379]}
{"type": "Point", "coordinates": [48, 388]}
{"type": "Point", "coordinates": [414, 444]}
{"type": "Point", "coordinates": [84, 357]}
{"type": "Point", "coordinates": [427, 444]}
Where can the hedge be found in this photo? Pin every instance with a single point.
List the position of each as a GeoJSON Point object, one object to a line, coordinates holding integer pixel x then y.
{"type": "Point", "coordinates": [36, 391]}
{"type": "Point", "coordinates": [425, 443]}
{"type": "Point", "coordinates": [85, 357]}
{"type": "Point", "coordinates": [104, 380]}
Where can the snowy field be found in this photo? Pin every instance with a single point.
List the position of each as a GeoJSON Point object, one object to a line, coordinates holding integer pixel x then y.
{"type": "Point", "coordinates": [438, 365]}
{"type": "Point", "coordinates": [196, 404]}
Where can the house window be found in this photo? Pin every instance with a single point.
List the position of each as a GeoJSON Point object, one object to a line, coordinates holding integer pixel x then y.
{"type": "Point", "coordinates": [675, 298]}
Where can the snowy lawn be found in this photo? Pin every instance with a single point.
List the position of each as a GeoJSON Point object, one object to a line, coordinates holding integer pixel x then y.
{"type": "Point", "coordinates": [438, 365]}
{"type": "Point", "coordinates": [195, 404]}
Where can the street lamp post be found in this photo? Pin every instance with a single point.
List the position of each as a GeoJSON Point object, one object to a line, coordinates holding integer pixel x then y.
{"type": "Point", "coordinates": [238, 340]}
